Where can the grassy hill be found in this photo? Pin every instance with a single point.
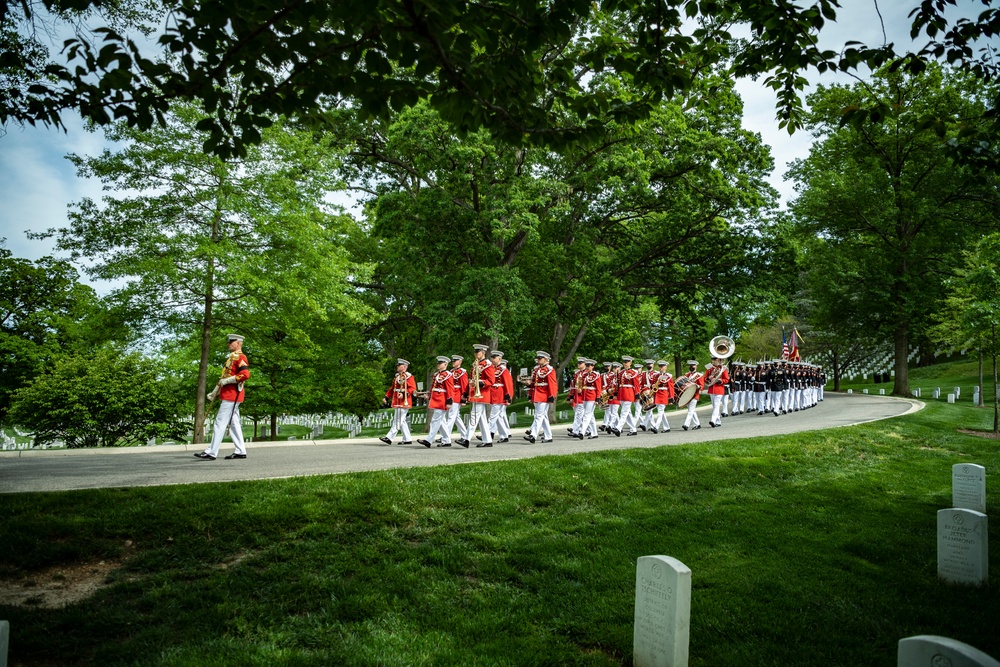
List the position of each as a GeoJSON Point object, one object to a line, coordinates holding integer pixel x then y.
{"type": "Point", "coordinates": [811, 549]}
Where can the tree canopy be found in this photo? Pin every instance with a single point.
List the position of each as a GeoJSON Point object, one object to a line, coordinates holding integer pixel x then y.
{"type": "Point", "coordinates": [887, 206]}
{"type": "Point", "coordinates": [499, 64]}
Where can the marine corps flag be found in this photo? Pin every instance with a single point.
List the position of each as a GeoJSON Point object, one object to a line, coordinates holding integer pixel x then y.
{"type": "Point", "coordinates": [794, 355]}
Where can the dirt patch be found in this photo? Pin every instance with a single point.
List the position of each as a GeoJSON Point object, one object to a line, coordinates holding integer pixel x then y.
{"type": "Point", "coordinates": [58, 586]}
{"type": "Point", "coordinates": [989, 435]}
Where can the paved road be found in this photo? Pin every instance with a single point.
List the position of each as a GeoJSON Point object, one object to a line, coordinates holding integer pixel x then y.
{"type": "Point", "coordinates": [62, 470]}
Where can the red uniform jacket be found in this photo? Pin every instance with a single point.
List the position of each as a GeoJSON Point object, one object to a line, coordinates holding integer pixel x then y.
{"type": "Point", "coordinates": [236, 364]}
{"type": "Point", "coordinates": [485, 382]}
{"type": "Point", "coordinates": [629, 387]}
{"type": "Point", "coordinates": [593, 385]}
{"type": "Point", "coordinates": [459, 384]}
{"type": "Point", "coordinates": [502, 386]}
{"type": "Point", "coordinates": [544, 384]}
{"type": "Point", "coordinates": [719, 387]}
{"type": "Point", "coordinates": [401, 391]}
{"type": "Point", "coordinates": [441, 388]}
{"type": "Point", "coordinates": [665, 390]}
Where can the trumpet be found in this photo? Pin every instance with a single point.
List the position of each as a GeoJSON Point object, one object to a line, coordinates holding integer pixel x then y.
{"type": "Point", "coordinates": [474, 378]}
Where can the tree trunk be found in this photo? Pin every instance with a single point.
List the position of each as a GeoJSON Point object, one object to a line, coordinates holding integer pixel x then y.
{"type": "Point", "coordinates": [996, 399]}
{"type": "Point", "coordinates": [206, 336]}
{"type": "Point", "coordinates": [982, 398]}
{"type": "Point", "coordinates": [836, 371]}
{"type": "Point", "coordinates": [274, 427]}
{"type": "Point", "coordinates": [206, 346]}
{"type": "Point", "coordinates": [902, 384]}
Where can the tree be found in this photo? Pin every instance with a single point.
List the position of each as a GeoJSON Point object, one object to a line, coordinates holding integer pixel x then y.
{"type": "Point", "coordinates": [493, 64]}
{"type": "Point", "coordinates": [44, 311]}
{"type": "Point", "coordinates": [971, 311]}
{"type": "Point", "coordinates": [890, 202]}
{"type": "Point", "coordinates": [202, 241]}
{"type": "Point", "coordinates": [105, 399]}
{"type": "Point", "coordinates": [528, 247]}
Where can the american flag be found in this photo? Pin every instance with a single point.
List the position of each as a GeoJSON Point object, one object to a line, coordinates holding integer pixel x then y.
{"type": "Point", "coordinates": [784, 345]}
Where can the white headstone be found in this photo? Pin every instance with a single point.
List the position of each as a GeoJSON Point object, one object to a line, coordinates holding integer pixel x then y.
{"type": "Point", "coordinates": [951, 398]}
{"type": "Point", "coordinates": [958, 392]}
{"type": "Point", "coordinates": [968, 486]}
{"type": "Point", "coordinates": [936, 393]}
{"type": "Point", "coordinates": [850, 391]}
{"type": "Point", "coordinates": [512, 419]}
{"type": "Point", "coordinates": [4, 642]}
{"type": "Point", "coordinates": [662, 612]}
{"type": "Point", "coordinates": [864, 391]}
{"type": "Point", "coordinates": [881, 392]}
{"type": "Point", "coordinates": [931, 651]}
{"type": "Point", "coordinates": [963, 549]}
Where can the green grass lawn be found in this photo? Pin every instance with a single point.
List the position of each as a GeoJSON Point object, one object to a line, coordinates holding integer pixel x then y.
{"type": "Point", "coordinates": [811, 549]}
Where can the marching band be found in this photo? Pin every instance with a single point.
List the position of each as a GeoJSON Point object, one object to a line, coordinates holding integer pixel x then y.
{"type": "Point", "coordinates": [776, 387]}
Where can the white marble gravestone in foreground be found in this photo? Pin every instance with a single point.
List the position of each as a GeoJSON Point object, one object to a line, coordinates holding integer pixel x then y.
{"type": "Point", "coordinates": [932, 651]}
{"type": "Point", "coordinates": [963, 547]}
{"type": "Point", "coordinates": [662, 612]}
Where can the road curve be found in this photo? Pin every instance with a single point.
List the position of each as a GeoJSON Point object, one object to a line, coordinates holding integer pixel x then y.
{"type": "Point", "coordinates": [65, 470]}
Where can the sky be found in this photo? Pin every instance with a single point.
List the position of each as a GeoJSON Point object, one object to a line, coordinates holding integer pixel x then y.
{"type": "Point", "coordinates": [37, 183]}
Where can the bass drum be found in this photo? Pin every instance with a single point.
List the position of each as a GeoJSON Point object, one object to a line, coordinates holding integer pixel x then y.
{"type": "Point", "coordinates": [646, 400]}
{"type": "Point", "coordinates": [686, 389]}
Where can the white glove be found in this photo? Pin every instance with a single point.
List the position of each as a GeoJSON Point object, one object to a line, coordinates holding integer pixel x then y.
{"type": "Point", "coordinates": [229, 380]}
{"type": "Point", "coordinates": [213, 394]}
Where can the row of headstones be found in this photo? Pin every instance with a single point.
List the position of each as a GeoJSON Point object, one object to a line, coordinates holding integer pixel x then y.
{"type": "Point", "coordinates": [662, 624]}
{"type": "Point", "coordinates": [663, 588]}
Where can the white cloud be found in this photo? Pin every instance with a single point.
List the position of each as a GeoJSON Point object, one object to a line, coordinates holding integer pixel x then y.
{"type": "Point", "coordinates": [37, 183]}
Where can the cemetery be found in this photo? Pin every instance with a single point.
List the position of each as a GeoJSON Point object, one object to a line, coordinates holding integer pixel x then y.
{"type": "Point", "coordinates": [714, 554]}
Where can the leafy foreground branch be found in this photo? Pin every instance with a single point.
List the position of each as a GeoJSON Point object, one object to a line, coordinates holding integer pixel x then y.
{"type": "Point", "coordinates": [802, 547]}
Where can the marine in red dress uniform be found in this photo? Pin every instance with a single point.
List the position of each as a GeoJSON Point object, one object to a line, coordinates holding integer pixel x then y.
{"type": "Point", "coordinates": [459, 397]}
{"type": "Point", "coordinates": [400, 398]}
{"type": "Point", "coordinates": [629, 383]}
{"type": "Point", "coordinates": [480, 381]}
{"type": "Point", "coordinates": [229, 389]}
{"type": "Point", "coordinates": [717, 391]}
{"type": "Point", "coordinates": [501, 390]}
{"type": "Point", "coordinates": [439, 400]}
{"type": "Point", "coordinates": [542, 392]}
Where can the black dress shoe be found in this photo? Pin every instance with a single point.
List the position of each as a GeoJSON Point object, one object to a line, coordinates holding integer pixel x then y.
{"type": "Point", "coordinates": [530, 438]}
{"type": "Point", "coordinates": [444, 444]}
{"type": "Point", "coordinates": [544, 441]}
{"type": "Point", "coordinates": [484, 444]}
{"type": "Point", "coordinates": [641, 427]}
{"type": "Point", "coordinates": [712, 424]}
{"type": "Point", "coordinates": [386, 440]}
{"type": "Point", "coordinates": [591, 437]}
{"type": "Point", "coordinates": [617, 432]}
{"type": "Point", "coordinates": [653, 430]}
{"type": "Point", "coordinates": [684, 427]}
{"type": "Point", "coordinates": [406, 442]}
{"type": "Point", "coordinates": [502, 440]}
{"type": "Point", "coordinates": [203, 455]}
{"type": "Point", "coordinates": [579, 436]}
{"type": "Point", "coordinates": [464, 443]}
{"type": "Point", "coordinates": [666, 430]}
{"type": "Point", "coordinates": [425, 443]}
{"type": "Point", "coordinates": [632, 433]}
{"type": "Point", "coordinates": [235, 456]}
{"type": "Point", "coordinates": [695, 428]}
